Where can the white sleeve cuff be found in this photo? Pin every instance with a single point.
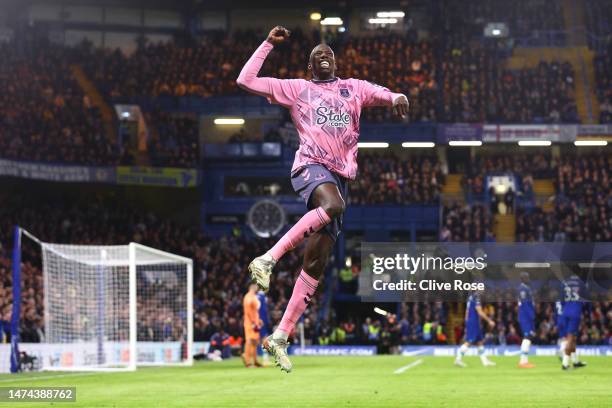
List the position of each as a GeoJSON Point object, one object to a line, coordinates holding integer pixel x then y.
{"type": "Point", "coordinates": [399, 97]}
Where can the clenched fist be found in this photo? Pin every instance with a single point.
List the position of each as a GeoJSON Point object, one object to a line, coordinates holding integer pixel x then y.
{"type": "Point", "coordinates": [277, 35]}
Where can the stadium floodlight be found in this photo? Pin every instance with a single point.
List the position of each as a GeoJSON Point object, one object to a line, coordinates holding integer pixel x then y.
{"type": "Point", "coordinates": [465, 143]}
{"type": "Point", "coordinates": [496, 30]}
{"type": "Point", "coordinates": [390, 14]}
{"type": "Point", "coordinates": [380, 311]}
{"type": "Point", "coordinates": [525, 265]}
{"type": "Point", "coordinates": [332, 21]}
{"type": "Point", "coordinates": [382, 20]}
{"type": "Point", "coordinates": [534, 143]}
{"type": "Point", "coordinates": [229, 121]}
{"type": "Point", "coordinates": [315, 16]}
{"type": "Point", "coordinates": [113, 307]}
{"type": "Point", "coordinates": [418, 144]}
{"type": "Point", "coordinates": [590, 143]}
{"type": "Point", "coordinates": [372, 145]}
{"type": "Point", "coordinates": [589, 265]}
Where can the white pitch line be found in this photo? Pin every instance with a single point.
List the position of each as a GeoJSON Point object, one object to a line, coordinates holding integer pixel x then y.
{"type": "Point", "coordinates": [409, 366]}
{"type": "Point", "coordinates": [415, 352]}
{"type": "Point", "coordinates": [46, 377]}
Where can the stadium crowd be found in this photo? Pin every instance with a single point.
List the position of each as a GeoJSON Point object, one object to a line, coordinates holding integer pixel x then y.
{"type": "Point", "coordinates": [466, 223]}
{"type": "Point", "coordinates": [202, 69]}
{"type": "Point", "coordinates": [476, 89]}
{"type": "Point", "coordinates": [475, 86]}
{"type": "Point", "coordinates": [391, 179]}
{"type": "Point", "coordinates": [471, 75]}
{"type": "Point", "coordinates": [524, 167]}
{"type": "Point", "coordinates": [598, 18]}
{"type": "Point", "coordinates": [48, 117]}
{"type": "Point", "coordinates": [173, 139]}
{"type": "Point", "coordinates": [211, 66]}
{"type": "Point", "coordinates": [220, 278]}
{"type": "Point", "coordinates": [583, 203]}
{"type": "Point", "coordinates": [461, 82]}
{"type": "Point", "coordinates": [524, 18]}
{"type": "Point", "coordinates": [538, 165]}
{"type": "Point", "coordinates": [398, 63]}
{"type": "Point", "coordinates": [598, 14]}
{"type": "Point", "coordinates": [447, 78]}
{"type": "Point", "coordinates": [603, 71]}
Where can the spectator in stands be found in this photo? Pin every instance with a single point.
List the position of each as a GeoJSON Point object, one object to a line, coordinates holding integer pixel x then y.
{"type": "Point", "coordinates": [509, 201]}
{"type": "Point", "coordinates": [220, 341]}
{"type": "Point", "coordinates": [494, 201]}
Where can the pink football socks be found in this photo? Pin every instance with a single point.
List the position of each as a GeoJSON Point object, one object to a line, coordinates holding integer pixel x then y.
{"type": "Point", "coordinates": [310, 223]}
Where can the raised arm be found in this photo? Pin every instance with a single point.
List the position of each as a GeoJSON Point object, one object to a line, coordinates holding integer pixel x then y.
{"type": "Point", "coordinates": [276, 90]}
{"type": "Point", "coordinates": [248, 79]}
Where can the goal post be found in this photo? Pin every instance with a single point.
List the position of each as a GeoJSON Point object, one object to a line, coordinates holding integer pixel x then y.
{"type": "Point", "coordinates": [113, 308]}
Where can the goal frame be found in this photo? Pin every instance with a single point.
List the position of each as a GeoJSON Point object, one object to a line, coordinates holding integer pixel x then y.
{"type": "Point", "coordinates": [133, 262]}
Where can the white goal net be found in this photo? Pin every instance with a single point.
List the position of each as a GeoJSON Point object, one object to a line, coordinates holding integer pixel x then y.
{"type": "Point", "coordinates": [116, 307]}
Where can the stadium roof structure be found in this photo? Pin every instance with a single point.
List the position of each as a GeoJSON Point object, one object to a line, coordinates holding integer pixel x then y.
{"type": "Point", "coordinates": [200, 5]}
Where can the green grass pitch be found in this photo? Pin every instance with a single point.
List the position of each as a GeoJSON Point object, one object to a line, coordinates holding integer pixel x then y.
{"type": "Point", "coordinates": [339, 382]}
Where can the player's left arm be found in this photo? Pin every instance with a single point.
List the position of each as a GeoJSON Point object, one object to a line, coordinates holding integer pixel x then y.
{"type": "Point", "coordinates": [484, 316]}
{"type": "Point", "coordinates": [376, 95]}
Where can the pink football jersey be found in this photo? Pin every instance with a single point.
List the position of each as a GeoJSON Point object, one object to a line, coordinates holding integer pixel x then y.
{"type": "Point", "coordinates": [325, 113]}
